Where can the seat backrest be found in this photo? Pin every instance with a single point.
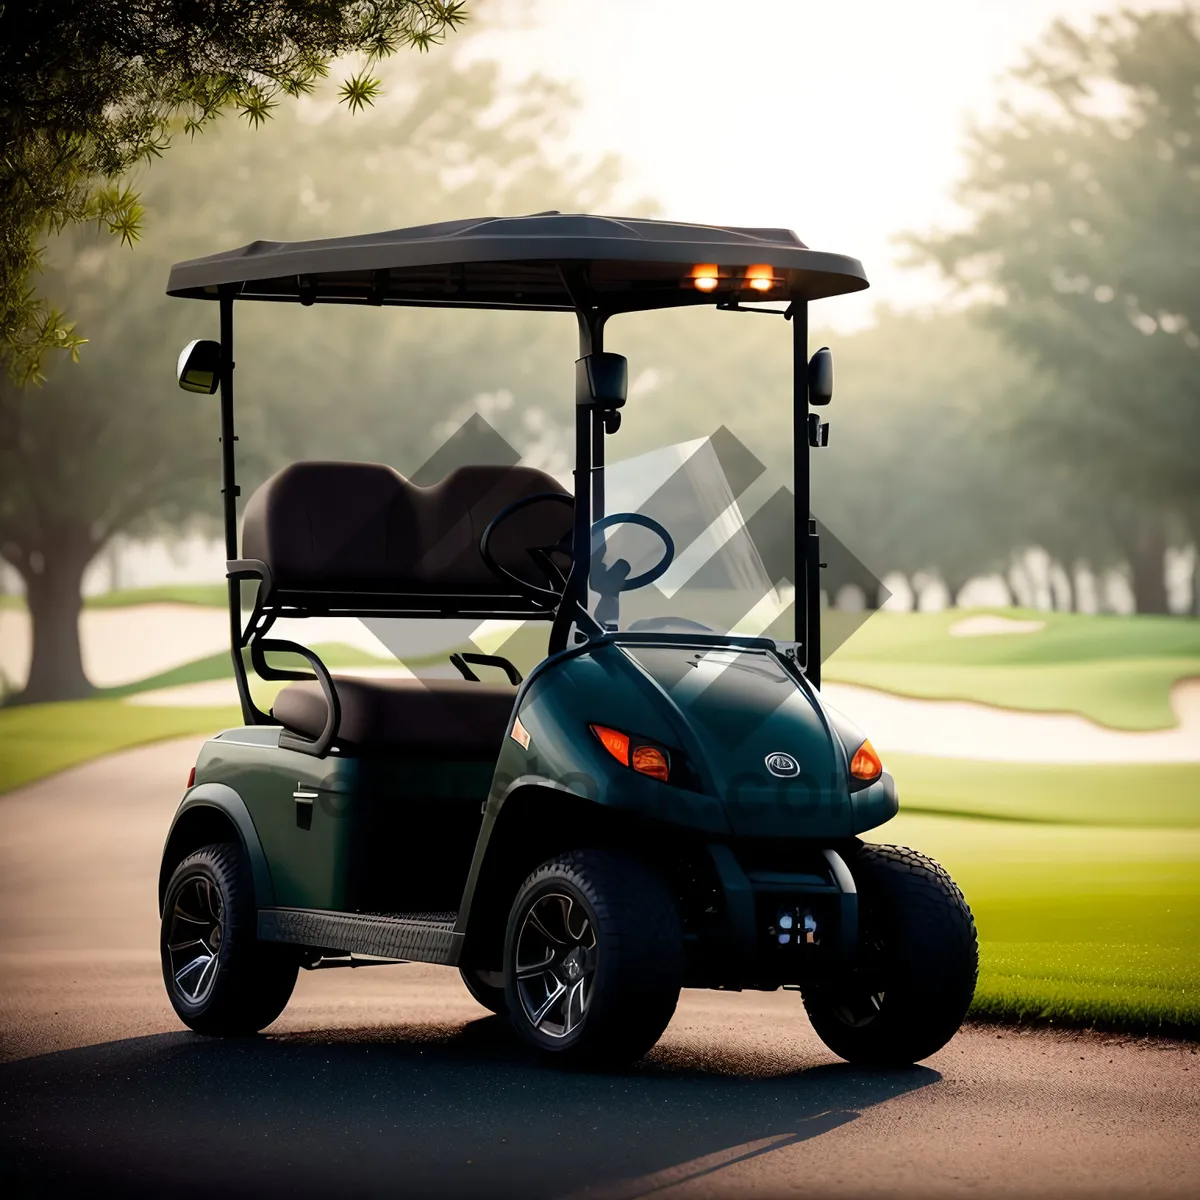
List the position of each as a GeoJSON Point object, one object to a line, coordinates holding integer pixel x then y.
{"type": "Point", "coordinates": [362, 527]}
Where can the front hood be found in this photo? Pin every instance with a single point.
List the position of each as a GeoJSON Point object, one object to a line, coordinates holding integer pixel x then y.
{"type": "Point", "coordinates": [760, 732]}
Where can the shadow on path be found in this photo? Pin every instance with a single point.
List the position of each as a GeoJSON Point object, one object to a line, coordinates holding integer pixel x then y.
{"type": "Point", "coordinates": [412, 1110]}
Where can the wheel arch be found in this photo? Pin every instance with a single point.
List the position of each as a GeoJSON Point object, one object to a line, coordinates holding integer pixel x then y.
{"type": "Point", "coordinates": [535, 822]}
{"type": "Point", "coordinates": [214, 812]}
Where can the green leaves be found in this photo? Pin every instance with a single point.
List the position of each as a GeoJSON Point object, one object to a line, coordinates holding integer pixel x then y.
{"type": "Point", "coordinates": [120, 212]}
{"type": "Point", "coordinates": [359, 91]}
{"type": "Point", "coordinates": [85, 101]}
{"type": "Point", "coordinates": [255, 104]}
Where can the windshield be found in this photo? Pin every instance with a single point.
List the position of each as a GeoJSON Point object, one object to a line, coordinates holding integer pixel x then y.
{"type": "Point", "coordinates": [716, 577]}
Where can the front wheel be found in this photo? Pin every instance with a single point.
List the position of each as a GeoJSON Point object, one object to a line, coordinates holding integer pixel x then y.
{"type": "Point", "coordinates": [220, 978]}
{"type": "Point", "coordinates": [918, 960]}
{"type": "Point", "coordinates": [593, 958]}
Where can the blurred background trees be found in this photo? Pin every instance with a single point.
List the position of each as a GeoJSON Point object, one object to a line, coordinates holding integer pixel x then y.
{"type": "Point", "coordinates": [1085, 244]}
{"type": "Point", "coordinates": [1040, 432]}
{"type": "Point", "coordinates": [89, 89]}
{"type": "Point", "coordinates": [108, 445]}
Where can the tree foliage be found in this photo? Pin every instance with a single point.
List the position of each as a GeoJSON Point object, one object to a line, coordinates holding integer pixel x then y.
{"type": "Point", "coordinates": [91, 88]}
{"type": "Point", "coordinates": [111, 445]}
{"type": "Point", "coordinates": [1082, 199]}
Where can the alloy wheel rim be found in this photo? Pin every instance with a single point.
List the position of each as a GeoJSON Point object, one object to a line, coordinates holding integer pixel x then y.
{"type": "Point", "coordinates": [555, 964]}
{"type": "Point", "coordinates": [194, 938]}
{"type": "Point", "coordinates": [860, 1010]}
{"type": "Point", "coordinates": [861, 1005]}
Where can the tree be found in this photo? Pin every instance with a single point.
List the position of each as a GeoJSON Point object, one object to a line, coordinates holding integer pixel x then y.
{"type": "Point", "coordinates": [109, 445]}
{"type": "Point", "coordinates": [916, 477]}
{"type": "Point", "coordinates": [1082, 234]}
{"type": "Point", "coordinates": [91, 88]}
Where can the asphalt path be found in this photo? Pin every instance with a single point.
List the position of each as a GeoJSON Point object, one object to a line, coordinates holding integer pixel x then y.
{"type": "Point", "coordinates": [392, 1081]}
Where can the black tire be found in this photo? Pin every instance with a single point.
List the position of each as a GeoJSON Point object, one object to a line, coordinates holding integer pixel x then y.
{"type": "Point", "coordinates": [918, 963]}
{"type": "Point", "coordinates": [490, 995]}
{"type": "Point", "coordinates": [221, 980]}
{"type": "Point", "coordinates": [622, 991]}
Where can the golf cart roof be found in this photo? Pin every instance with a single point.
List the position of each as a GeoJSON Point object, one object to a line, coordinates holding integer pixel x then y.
{"type": "Point", "coordinates": [547, 261]}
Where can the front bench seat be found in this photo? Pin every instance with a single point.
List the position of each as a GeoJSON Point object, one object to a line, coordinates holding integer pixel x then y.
{"type": "Point", "coordinates": [420, 717]}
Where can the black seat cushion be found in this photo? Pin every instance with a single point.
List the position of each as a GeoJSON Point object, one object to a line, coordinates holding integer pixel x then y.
{"type": "Point", "coordinates": [428, 717]}
{"type": "Point", "coordinates": [363, 527]}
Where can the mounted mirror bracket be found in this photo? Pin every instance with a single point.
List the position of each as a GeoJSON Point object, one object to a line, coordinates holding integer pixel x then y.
{"type": "Point", "coordinates": [199, 368]}
{"type": "Point", "coordinates": [601, 380]}
{"type": "Point", "coordinates": [820, 377]}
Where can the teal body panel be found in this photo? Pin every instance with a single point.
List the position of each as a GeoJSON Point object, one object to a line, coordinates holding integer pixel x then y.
{"type": "Point", "coordinates": [362, 840]}
{"type": "Point", "coordinates": [382, 833]}
{"type": "Point", "coordinates": [724, 714]}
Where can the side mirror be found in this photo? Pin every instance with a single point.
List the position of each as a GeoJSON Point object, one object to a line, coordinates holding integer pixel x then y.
{"type": "Point", "coordinates": [820, 377]}
{"type": "Point", "coordinates": [199, 368]}
{"type": "Point", "coordinates": [601, 380]}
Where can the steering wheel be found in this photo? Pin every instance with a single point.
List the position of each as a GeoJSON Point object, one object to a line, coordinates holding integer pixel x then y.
{"type": "Point", "coordinates": [540, 554]}
{"type": "Point", "coordinates": [546, 565]}
{"type": "Point", "coordinates": [646, 577]}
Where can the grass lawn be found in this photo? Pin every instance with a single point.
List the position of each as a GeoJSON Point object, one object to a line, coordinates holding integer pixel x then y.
{"type": "Point", "coordinates": [40, 739]}
{"type": "Point", "coordinates": [1077, 925]}
{"type": "Point", "coordinates": [1120, 795]}
{"type": "Point", "coordinates": [1117, 671]}
{"type": "Point", "coordinates": [208, 595]}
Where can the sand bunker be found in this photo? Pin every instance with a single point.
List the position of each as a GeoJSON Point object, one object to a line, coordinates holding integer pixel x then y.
{"type": "Point", "coordinates": [988, 624]}
{"type": "Point", "coordinates": [961, 729]}
{"type": "Point", "coordinates": [124, 645]}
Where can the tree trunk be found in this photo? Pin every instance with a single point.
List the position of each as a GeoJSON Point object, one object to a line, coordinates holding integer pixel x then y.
{"type": "Point", "coordinates": [1147, 552]}
{"type": "Point", "coordinates": [1067, 587]}
{"type": "Point", "coordinates": [53, 578]}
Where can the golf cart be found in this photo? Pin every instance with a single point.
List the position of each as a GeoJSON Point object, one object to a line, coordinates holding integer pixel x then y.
{"type": "Point", "coordinates": [651, 807]}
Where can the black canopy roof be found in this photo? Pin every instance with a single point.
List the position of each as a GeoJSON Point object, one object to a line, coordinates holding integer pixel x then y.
{"type": "Point", "coordinates": [537, 262]}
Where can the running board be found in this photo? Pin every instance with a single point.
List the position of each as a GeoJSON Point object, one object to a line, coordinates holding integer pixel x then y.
{"type": "Point", "coordinates": [417, 938]}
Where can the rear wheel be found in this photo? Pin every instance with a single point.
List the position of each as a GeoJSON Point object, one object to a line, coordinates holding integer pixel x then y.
{"type": "Point", "coordinates": [918, 960]}
{"type": "Point", "coordinates": [220, 978]}
{"type": "Point", "coordinates": [593, 957]}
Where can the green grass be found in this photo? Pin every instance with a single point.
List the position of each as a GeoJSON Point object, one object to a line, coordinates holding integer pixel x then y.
{"type": "Point", "coordinates": [1116, 671]}
{"type": "Point", "coordinates": [1134, 795]}
{"type": "Point", "coordinates": [1066, 638]}
{"type": "Point", "coordinates": [1078, 926]}
{"type": "Point", "coordinates": [207, 595]}
{"type": "Point", "coordinates": [40, 739]}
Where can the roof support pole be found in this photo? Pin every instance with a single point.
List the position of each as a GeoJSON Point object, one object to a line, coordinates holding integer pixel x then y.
{"type": "Point", "coordinates": [806, 548]}
{"type": "Point", "coordinates": [597, 345]}
{"type": "Point", "coordinates": [229, 488]}
{"type": "Point", "coordinates": [229, 496]}
{"type": "Point", "coordinates": [589, 430]}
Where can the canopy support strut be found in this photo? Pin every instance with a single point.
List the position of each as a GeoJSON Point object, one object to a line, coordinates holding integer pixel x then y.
{"type": "Point", "coordinates": [229, 497]}
{"type": "Point", "coordinates": [806, 551]}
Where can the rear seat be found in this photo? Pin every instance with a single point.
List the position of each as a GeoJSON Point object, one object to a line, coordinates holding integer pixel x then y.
{"type": "Point", "coordinates": [434, 717]}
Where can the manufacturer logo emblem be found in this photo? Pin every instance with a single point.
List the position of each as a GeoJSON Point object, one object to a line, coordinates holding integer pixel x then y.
{"type": "Point", "coordinates": [783, 765]}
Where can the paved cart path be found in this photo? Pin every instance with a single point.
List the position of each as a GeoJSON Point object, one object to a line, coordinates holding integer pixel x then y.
{"type": "Point", "coordinates": [391, 1081]}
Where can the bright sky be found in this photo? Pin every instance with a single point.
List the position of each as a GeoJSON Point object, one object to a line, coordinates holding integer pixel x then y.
{"type": "Point", "coordinates": [841, 119]}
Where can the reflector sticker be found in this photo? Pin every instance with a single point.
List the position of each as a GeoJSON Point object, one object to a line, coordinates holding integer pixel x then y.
{"type": "Point", "coordinates": [520, 734]}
